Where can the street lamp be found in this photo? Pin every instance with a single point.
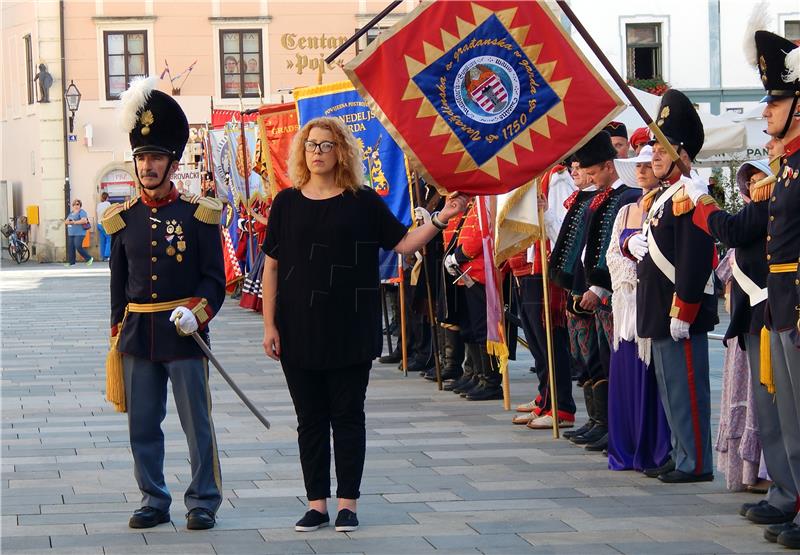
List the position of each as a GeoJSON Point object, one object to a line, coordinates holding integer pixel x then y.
{"type": "Point", "coordinates": [73, 97]}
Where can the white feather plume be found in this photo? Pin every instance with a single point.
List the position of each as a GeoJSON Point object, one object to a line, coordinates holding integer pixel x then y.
{"type": "Point", "coordinates": [134, 100]}
{"type": "Point", "coordinates": [792, 63]}
{"type": "Point", "coordinates": [760, 19]}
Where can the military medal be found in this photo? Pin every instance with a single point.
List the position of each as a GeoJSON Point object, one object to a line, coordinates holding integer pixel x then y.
{"type": "Point", "coordinates": [171, 250]}
{"type": "Point", "coordinates": [179, 258]}
{"type": "Point", "coordinates": [181, 246]}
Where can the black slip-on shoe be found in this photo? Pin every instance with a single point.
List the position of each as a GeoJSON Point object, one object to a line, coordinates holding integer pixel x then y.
{"type": "Point", "coordinates": [346, 521]}
{"type": "Point", "coordinates": [767, 514]}
{"type": "Point", "coordinates": [747, 506]}
{"type": "Point", "coordinates": [668, 466]}
{"type": "Point", "coordinates": [312, 520]}
{"type": "Point", "coordinates": [790, 537]}
{"type": "Point", "coordinates": [773, 532]}
{"type": "Point", "coordinates": [147, 517]}
{"type": "Point", "coordinates": [680, 477]}
{"type": "Point", "coordinates": [200, 518]}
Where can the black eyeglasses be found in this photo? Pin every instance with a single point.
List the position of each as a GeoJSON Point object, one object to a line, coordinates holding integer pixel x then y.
{"type": "Point", "coordinates": [324, 146]}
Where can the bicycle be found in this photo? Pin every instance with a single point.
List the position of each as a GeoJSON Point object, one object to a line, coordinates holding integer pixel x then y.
{"type": "Point", "coordinates": [17, 248]}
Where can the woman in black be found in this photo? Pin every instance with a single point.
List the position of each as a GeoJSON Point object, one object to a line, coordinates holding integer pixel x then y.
{"type": "Point", "coordinates": [321, 303]}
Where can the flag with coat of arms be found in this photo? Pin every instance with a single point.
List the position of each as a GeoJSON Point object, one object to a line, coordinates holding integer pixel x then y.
{"type": "Point", "coordinates": [483, 95]}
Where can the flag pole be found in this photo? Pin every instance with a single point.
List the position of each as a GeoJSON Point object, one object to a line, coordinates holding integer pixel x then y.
{"type": "Point", "coordinates": [401, 284]}
{"type": "Point", "coordinates": [626, 90]}
{"type": "Point", "coordinates": [246, 185]}
{"type": "Point", "coordinates": [431, 316]}
{"type": "Point", "coordinates": [548, 325]}
{"type": "Point", "coordinates": [357, 35]}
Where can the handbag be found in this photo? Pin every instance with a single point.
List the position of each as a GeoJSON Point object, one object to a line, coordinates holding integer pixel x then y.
{"type": "Point", "coordinates": [87, 226]}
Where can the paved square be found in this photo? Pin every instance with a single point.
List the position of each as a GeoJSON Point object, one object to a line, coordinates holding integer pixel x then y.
{"type": "Point", "coordinates": [442, 475]}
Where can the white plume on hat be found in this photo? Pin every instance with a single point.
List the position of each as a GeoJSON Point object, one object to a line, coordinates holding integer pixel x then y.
{"type": "Point", "coordinates": [792, 63]}
{"type": "Point", "coordinates": [134, 100]}
{"type": "Point", "coordinates": [760, 20]}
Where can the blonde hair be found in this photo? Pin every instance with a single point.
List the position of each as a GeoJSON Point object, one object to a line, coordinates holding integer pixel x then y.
{"type": "Point", "coordinates": [349, 168]}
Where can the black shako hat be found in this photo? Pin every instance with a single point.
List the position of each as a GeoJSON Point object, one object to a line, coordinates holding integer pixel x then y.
{"type": "Point", "coordinates": [154, 121]}
{"type": "Point", "coordinates": [679, 121]}
{"type": "Point", "coordinates": [598, 150]}
{"type": "Point", "coordinates": [617, 129]}
{"type": "Point", "coordinates": [778, 65]}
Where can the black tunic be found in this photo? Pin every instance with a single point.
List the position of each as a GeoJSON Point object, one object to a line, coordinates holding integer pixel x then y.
{"type": "Point", "coordinates": [783, 241]}
{"type": "Point", "coordinates": [327, 308]}
{"type": "Point", "coordinates": [164, 254]}
{"type": "Point", "coordinates": [691, 251]}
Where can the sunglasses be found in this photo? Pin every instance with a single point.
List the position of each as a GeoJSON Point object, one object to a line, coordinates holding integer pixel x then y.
{"type": "Point", "coordinates": [324, 146]}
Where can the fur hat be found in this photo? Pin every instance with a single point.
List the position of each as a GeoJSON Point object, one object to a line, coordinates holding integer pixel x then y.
{"type": "Point", "coordinates": [153, 120]}
{"type": "Point", "coordinates": [598, 150]}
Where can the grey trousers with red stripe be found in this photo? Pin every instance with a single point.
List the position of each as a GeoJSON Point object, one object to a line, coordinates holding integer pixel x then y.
{"type": "Point", "coordinates": [683, 383]}
{"type": "Point", "coordinates": [786, 373]}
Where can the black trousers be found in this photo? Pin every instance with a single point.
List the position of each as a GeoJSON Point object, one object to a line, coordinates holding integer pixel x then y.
{"type": "Point", "coordinates": [324, 400]}
{"type": "Point", "coordinates": [531, 299]}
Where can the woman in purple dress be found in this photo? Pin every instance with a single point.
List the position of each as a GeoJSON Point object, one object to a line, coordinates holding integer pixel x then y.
{"type": "Point", "coordinates": [638, 433]}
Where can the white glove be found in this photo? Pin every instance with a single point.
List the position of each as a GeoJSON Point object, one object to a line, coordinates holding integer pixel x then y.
{"type": "Point", "coordinates": [679, 329]}
{"type": "Point", "coordinates": [637, 246]}
{"type": "Point", "coordinates": [422, 215]}
{"type": "Point", "coordinates": [695, 188]}
{"type": "Point", "coordinates": [186, 321]}
{"type": "Point", "coordinates": [451, 265]}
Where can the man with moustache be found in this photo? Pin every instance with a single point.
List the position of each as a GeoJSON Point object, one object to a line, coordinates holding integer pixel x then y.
{"type": "Point", "coordinates": [675, 302]}
{"type": "Point", "coordinates": [167, 281]}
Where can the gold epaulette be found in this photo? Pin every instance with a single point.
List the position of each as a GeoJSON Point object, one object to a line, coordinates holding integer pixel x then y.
{"type": "Point", "coordinates": [112, 218]}
{"type": "Point", "coordinates": [762, 190]}
{"type": "Point", "coordinates": [706, 200]}
{"type": "Point", "coordinates": [681, 203]}
{"type": "Point", "coordinates": [209, 209]}
{"type": "Point", "coordinates": [647, 200]}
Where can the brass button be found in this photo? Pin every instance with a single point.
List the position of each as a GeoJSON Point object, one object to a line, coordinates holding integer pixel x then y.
{"type": "Point", "coordinates": [153, 243]}
{"type": "Point", "coordinates": [769, 237]}
{"type": "Point", "coordinates": [773, 199]}
{"type": "Point", "coordinates": [154, 296]}
{"type": "Point", "coordinates": [797, 282]}
{"type": "Point", "coordinates": [154, 277]}
{"type": "Point", "coordinates": [154, 210]}
{"type": "Point", "coordinates": [769, 257]}
{"type": "Point", "coordinates": [772, 218]}
{"type": "Point", "coordinates": [153, 259]}
{"type": "Point", "coordinates": [154, 226]}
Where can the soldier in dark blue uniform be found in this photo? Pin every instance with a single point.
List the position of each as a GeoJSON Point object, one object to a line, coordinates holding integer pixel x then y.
{"type": "Point", "coordinates": [167, 281]}
{"type": "Point", "coordinates": [746, 231]}
{"type": "Point", "coordinates": [675, 302]}
{"type": "Point", "coordinates": [778, 61]}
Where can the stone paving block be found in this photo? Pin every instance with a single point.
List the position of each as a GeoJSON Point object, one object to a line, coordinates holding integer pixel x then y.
{"type": "Point", "coordinates": [520, 526]}
{"type": "Point", "coordinates": [97, 540]}
{"type": "Point", "coordinates": [24, 542]}
{"type": "Point", "coordinates": [175, 549]}
{"type": "Point", "coordinates": [478, 541]}
{"type": "Point", "coordinates": [386, 546]}
{"type": "Point", "coordinates": [669, 548]}
{"type": "Point", "coordinates": [58, 551]}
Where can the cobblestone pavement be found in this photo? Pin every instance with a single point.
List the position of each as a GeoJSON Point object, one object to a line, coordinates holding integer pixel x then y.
{"type": "Point", "coordinates": [442, 475]}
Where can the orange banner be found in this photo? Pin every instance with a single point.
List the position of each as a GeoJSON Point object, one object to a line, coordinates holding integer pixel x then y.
{"type": "Point", "coordinates": [277, 125]}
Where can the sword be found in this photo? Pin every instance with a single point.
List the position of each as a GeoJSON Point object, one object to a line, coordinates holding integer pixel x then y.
{"type": "Point", "coordinates": [224, 374]}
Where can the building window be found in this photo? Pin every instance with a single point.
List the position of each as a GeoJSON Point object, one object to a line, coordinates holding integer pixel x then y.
{"type": "Point", "coordinates": [792, 30]}
{"type": "Point", "coordinates": [643, 42]}
{"type": "Point", "coordinates": [240, 63]}
{"type": "Point", "coordinates": [29, 68]}
{"type": "Point", "coordinates": [125, 58]}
